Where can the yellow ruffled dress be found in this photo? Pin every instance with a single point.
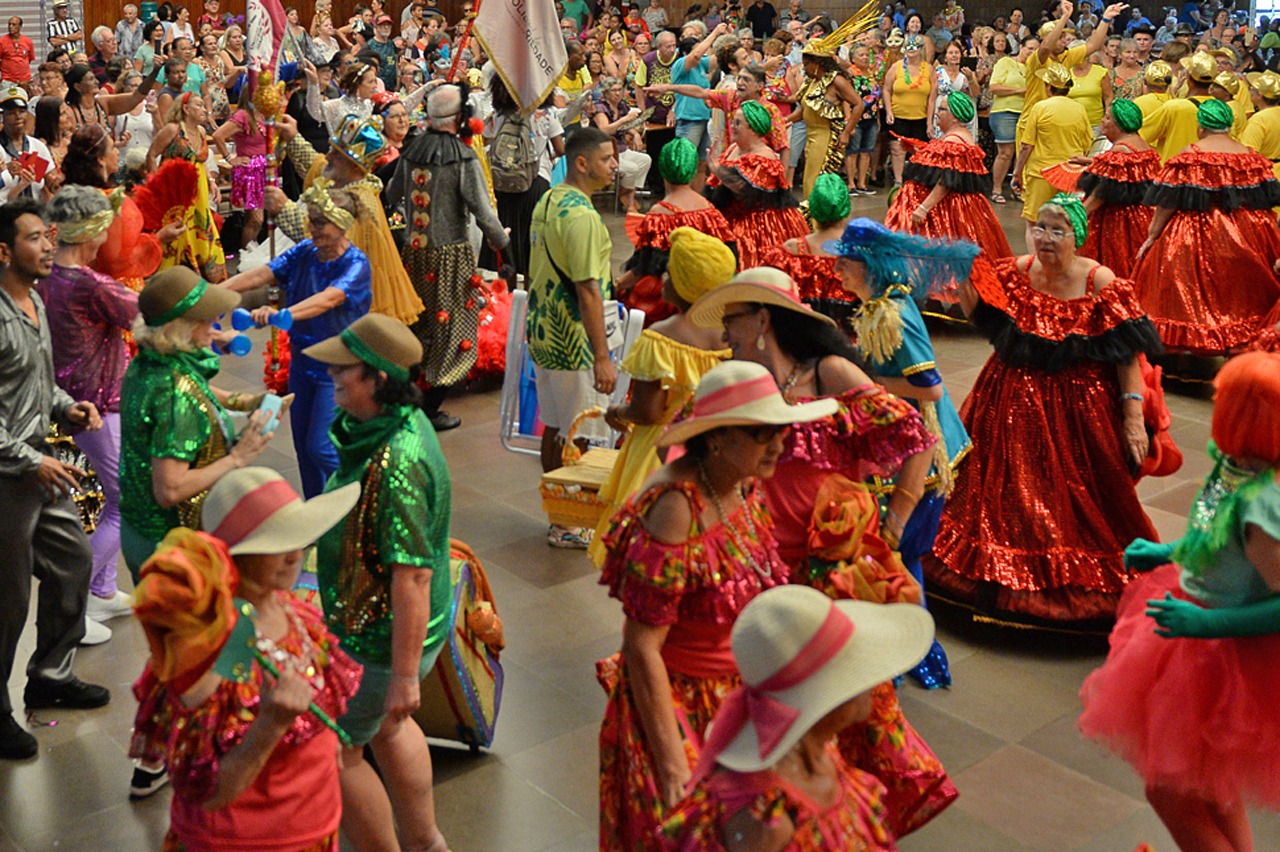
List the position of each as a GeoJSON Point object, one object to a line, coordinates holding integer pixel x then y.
{"type": "Point", "coordinates": [679, 367]}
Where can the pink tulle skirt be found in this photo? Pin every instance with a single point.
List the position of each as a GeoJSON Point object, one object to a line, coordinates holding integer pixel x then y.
{"type": "Point", "coordinates": [1195, 715]}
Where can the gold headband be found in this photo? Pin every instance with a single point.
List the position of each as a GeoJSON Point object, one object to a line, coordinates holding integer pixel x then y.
{"type": "Point", "coordinates": [75, 233]}
{"type": "Point", "coordinates": [317, 197]}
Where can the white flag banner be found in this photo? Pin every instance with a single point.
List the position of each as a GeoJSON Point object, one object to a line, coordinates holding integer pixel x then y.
{"type": "Point", "coordinates": [523, 39]}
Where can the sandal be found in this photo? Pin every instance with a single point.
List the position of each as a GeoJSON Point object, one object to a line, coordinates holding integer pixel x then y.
{"type": "Point", "coordinates": [998, 199]}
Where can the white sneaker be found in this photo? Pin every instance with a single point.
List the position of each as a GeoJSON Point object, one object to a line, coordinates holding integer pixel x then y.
{"type": "Point", "coordinates": [105, 609]}
{"type": "Point", "coordinates": [95, 633]}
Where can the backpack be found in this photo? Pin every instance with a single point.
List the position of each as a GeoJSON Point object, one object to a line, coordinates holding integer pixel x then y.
{"type": "Point", "coordinates": [512, 160]}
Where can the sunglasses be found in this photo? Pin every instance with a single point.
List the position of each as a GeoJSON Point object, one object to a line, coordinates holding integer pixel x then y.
{"type": "Point", "coordinates": [764, 434]}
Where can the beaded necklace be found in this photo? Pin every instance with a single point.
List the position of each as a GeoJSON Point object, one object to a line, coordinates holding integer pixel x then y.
{"type": "Point", "coordinates": [304, 662]}
{"type": "Point", "coordinates": [734, 534]}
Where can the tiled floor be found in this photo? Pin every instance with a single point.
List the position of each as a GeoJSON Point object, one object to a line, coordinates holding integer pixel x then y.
{"type": "Point", "coordinates": [1005, 730]}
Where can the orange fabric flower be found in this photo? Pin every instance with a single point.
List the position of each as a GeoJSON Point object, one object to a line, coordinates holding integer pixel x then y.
{"type": "Point", "coordinates": [844, 530]}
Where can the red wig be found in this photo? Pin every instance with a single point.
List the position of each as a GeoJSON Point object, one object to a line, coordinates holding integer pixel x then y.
{"type": "Point", "coordinates": [1246, 413]}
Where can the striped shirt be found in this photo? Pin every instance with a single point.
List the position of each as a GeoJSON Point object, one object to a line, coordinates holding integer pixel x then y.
{"type": "Point", "coordinates": [61, 29]}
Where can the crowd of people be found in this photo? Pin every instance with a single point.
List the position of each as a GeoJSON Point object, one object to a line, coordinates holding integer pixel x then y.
{"type": "Point", "coordinates": [793, 474]}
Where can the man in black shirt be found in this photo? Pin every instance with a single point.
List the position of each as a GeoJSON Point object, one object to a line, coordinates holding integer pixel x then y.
{"type": "Point", "coordinates": [763, 18]}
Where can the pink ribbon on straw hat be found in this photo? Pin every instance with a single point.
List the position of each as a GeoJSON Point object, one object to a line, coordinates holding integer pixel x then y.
{"type": "Point", "coordinates": [733, 396]}
{"type": "Point", "coordinates": [753, 703]}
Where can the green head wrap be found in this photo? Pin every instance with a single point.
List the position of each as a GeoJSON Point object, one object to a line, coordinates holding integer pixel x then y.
{"type": "Point", "coordinates": [678, 162]}
{"type": "Point", "coordinates": [1127, 115]}
{"type": "Point", "coordinates": [1213, 114]}
{"type": "Point", "coordinates": [829, 199]}
{"type": "Point", "coordinates": [1071, 207]}
{"type": "Point", "coordinates": [757, 118]}
{"type": "Point", "coordinates": [961, 106]}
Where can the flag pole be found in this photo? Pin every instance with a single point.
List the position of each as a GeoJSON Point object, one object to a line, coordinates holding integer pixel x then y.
{"type": "Point", "coordinates": [466, 37]}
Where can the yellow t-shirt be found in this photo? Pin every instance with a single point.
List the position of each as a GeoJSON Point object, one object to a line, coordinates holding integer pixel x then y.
{"type": "Point", "coordinates": [1057, 129]}
{"type": "Point", "coordinates": [1036, 89]}
{"type": "Point", "coordinates": [1262, 134]}
{"type": "Point", "coordinates": [1150, 102]}
{"type": "Point", "coordinates": [911, 100]}
{"type": "Point", "coordinates": [573, 86]}
{"type": "Point", "coordinates": [1012, 73]}
{"type": "Point", "coordinates": [1173, 127]}
{"type": "Point", "coordinates": [1087, 91]}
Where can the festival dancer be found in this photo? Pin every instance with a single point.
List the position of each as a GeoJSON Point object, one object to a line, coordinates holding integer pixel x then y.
{"type": "Point", "coordinates": [947, 186]}
{"type": "Point", "coordinates": [1114, 185]}
{"type": "Point", "coordinates": [1205, 272]}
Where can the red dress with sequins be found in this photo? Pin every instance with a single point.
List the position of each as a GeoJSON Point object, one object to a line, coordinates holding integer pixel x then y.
{"type": "Point", "coordinates": [871, 434]}
{"type": "Point", "coordinates": [1208, 281]}
{"type": "Point", "coordinates": [854, 822]}
{"type": "Point", "coordinates": [696, 588]}
{"type": "Point", "coordinates": [756, 200]}
{"type": "Point", "coordinates": [295, 801]}
{"type": "Point", "coordinates": [653, 244]}
{"type": "Point", "coordinates": [815, 274]}
{"type": "Point", "coordinates": [964, 213]}
{"type": "Point", "coordinates": [1035, 530]}
{"type": "Point", "coordinates": [1118, 227]}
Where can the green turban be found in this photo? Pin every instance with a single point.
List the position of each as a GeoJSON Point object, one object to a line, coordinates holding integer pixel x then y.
{"type": "Point", "coordinates": [757, 117]}
{"type": "Point", "coordinates": [1213, 114]}
{"type": "Point", "coordinates": [961, 106]}
{"type": "Point", "coordinates": [829, 199]}
{"type": "Point", "coordinates": [1068, 205]}
{"type": "Point", "coordinates": [1127, 115]}
{"type": "Point", "coordinates": [678, 162]}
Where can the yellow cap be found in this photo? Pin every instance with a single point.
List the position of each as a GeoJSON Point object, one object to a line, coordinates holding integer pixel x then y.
{"type": "Point", "coordinates": [1055, 74]}
{"type": "Point", "coordinates": [1228, 81]}
{"type": "Point", "coordinates": [698, 263]}
{"type": "Point", "coordinates": [1200, 67]}
{"type": "Point", "coordinates": [1267, 83]}
{"type": "Point", "coordinates": [1159, 73]}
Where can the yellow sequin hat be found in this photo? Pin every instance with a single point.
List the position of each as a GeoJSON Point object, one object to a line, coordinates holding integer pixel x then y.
{"type": "Point", "coordinates": [1200, 67]}
{"type": "Point", "coordinates": [1047, 27]}
{"type": "Point", "coordinates": [1055, 74]}
{"type": "Point", "coordinates": [861, 21]}
{"type": "Point", "coordinates": [1228, 81]}
{"type": "Point", "coordinates": [1158, 73]}
{"type": "Point", "coordinates": [360, 139]}
{"type": "Point", "coordinates": [1267, 83]}
{"type": "Point", "coordinates": [698, 263]}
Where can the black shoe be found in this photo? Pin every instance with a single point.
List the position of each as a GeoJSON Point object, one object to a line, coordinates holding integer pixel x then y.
{"type": "Point", "coordinates": [72, 693]}
{"type": "Point", "coordinates": [444, 421]}
{"type": "Point", "coordinates": [147, 781]}
{"type": "Point", "coordinates": [15, 743]}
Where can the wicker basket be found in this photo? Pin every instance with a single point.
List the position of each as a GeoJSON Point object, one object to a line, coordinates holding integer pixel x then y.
{"type": "Point", "coordinates": [571, 494]}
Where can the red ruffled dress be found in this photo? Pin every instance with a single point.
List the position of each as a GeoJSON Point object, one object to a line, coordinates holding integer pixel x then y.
{"type": "Point", "coordinates": [758, 205]}
{"type": "Point", "coordinates": [871, 434]}
{"type": "Point", "coordinates": [1207, 282]}
{"type": "Point", "coordinates": [815, 274]}
{"type": "Point", "coordinates": [1035, 529]}
{"type": "Point", "coordinates": [853, 823]}
{"type": "Point", "coordinates": [1118, 228]}
{"type": "Point", "coordinates": [697, 588]}
{"type": "Point", "coordinates": [964, 213]}
{"type": "Point", "coordinates": [295, 801]}
{"type": "Point", "coordinates": [653, 244]}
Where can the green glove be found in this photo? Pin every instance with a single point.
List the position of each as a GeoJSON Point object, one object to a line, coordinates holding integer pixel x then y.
{"type": "Point", "coordinates": [1143, 555]}
{"type": "Point", "coordinates": [1183, 619]}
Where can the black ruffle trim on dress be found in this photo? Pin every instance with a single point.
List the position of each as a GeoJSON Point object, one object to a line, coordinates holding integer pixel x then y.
{"type": "Point", "coordinates": [648, 260]}
{"type": "Point", "coordinates": [1020, 349]}
{"type": "Point", "coordinates": [768, 199]}
{"type": "Point", "coordinates": [1184, 196]}
{"type": "Point", "coordinates": [953, 180]}
{"type": "Point", "coordinates": [1118, 192]}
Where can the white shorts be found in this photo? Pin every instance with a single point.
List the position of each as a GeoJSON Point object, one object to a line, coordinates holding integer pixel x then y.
{"type": "Point", "coordinates": [563, 395]}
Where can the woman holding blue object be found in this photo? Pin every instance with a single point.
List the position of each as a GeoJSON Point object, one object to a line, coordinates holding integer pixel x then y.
{"type": "Point", "coordinates": [889, 272]}
{"type": "Point", "coordinates": [328, 285]}
{"type": "Point", "coordinates": [1188, 692]}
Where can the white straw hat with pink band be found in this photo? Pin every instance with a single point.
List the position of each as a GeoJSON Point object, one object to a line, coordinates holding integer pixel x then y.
{"type": "Point", "coordinates": [255, 511]}
{"type": "Point", "coordinates": [760, 285]}
{"type": "Point", "coordinates": [802, 655]}
{"type": "Point", "coordinates": [741, 393]}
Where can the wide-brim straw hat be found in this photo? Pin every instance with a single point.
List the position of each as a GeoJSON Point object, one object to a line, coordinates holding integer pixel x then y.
{"type": "Point", "coordinates": [761, 285]}
{"type": "Point", "coordinates": [254, 510]}
{"type": "Point", "coordinates": [836, 649]}
{"type": "Point", "coordinates": [741, 393]}
{"type": "Point", "coordinates": [178, 292]}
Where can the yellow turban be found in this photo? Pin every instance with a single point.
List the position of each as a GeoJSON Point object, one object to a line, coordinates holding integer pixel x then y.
{"type": "Point", "coordinates": [698, 263]}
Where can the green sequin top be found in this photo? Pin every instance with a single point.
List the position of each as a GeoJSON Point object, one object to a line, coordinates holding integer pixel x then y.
{"type": "Point", "coordinates": [171, 413]}
{"type": "Point", "coordinates": [402, 519]}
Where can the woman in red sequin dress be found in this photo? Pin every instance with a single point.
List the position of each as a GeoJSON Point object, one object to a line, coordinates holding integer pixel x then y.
{"type": "Point", "coordinates": [1035, 530]}
{"type": "Point", "coordinates": [640, 286]}
{"type": "Point", "coordinates": [947, 186]}
{"type": "Point", "coordinates": [685, 555]}
{"type": "Point", "coordinates": [826, 520]}
{"type": "Point", "coordinates": [1205, 272]}
{"type": "Point", "coordinates": [1114, 185]}
{"type": "Point", "coordinates": [749, 186]}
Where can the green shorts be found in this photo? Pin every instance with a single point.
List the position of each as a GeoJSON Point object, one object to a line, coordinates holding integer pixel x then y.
{"type": "Point", "coordinates": [365, 710]}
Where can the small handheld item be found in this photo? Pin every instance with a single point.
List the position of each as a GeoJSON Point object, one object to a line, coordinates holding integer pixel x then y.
{"type": "Point", "coordinates": [242, 320]}
{"type": "Point", "coordinates": [271, 404]}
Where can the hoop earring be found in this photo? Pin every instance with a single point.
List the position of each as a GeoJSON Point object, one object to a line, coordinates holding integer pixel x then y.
{"type": "Point", "coordinates": [760, 344]}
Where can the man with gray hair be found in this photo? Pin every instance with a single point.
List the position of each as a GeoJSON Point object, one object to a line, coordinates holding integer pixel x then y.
{"type": "Point", "coordinates": [104, 42]}
{"type": "Point", "coordinates": [439, 181]}
{"type": "Point", "coordinates": [129, 32]}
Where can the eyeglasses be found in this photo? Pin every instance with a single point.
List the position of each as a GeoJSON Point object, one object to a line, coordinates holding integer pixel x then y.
{"type": "Point", "coordinates": [1052, 233]}
{"type": "Point", "coordinates": [765, 434]}
{"type": "Point", "coordinates": [728, 318]}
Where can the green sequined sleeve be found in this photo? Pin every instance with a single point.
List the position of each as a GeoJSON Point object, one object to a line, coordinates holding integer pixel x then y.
{"type": "Point", "coordinates": [413, 521]}
{"type": "Point", "coordinates": [179, 428]}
